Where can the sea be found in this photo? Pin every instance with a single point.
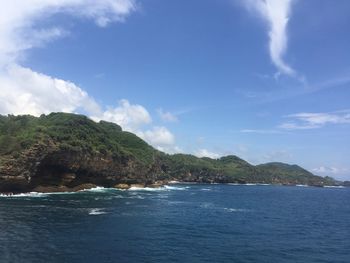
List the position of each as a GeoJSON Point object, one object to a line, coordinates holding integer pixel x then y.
{"type": "Point", "coordinates": [178, 223]}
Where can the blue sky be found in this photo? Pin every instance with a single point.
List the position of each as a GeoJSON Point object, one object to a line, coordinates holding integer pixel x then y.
{"type": "Point", "coordinates": [265, 80]}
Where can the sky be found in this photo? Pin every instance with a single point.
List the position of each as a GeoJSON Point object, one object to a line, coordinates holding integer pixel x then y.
{"type": "Point", "coordinates": [267, 80]}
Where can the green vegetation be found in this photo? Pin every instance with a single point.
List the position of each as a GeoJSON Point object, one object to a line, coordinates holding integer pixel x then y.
{"type": "Point", "coordinates": [73, 133]}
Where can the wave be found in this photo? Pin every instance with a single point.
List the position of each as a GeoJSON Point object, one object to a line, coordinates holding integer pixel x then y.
{"type": "Point", "coordinates": [157, 189]}
{"type": "Point", "coordinates": [207, 205]}
{"type": "Point", "coordinates": [147, 189]}
{"type": "Point", "coordinates": [136, 196]}
{"type": "Point", "coordinates": [97, 189]}
{"type": "Point", "coordinates": [30, 194]}
{"type": "Point", "coordinates": [248, 184]}
{"type": "Point", "coordinates": [302, 185]}
{"type": "Point", "coordinates": [334, 186]}
{"type": "Point", "coordinates": [235, 209]}
{"type": "Point", "coordinates": [175, 187]}
{"type": "Point", "coordinates": [96, 211]}
{"type": "Point", "coordinates": [174, 182]}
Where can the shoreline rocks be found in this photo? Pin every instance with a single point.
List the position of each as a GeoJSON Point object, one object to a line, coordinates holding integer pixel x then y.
{"type": "Point", "coordinates": [122, 186]}
{"type": "Point", "coordinates": [62, 188]}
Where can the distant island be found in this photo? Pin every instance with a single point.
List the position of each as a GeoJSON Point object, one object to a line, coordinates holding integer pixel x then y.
{"type": "Point", "coordinates": [70, 152]}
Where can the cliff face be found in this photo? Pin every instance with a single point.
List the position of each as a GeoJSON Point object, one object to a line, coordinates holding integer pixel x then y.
{"type": "Point", "coordinates": [48, 165]}
{"type": "Point", "coordinates": [65, 152]}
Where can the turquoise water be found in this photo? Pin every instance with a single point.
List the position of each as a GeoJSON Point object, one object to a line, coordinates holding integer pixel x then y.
{"type": "Point", "coordinates": [181, 223]}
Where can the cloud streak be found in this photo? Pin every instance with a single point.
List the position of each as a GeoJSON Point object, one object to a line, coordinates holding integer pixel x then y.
{"type": "Point", "coordinates": [276, 13]}
{"type": "Point", "coordinates": [21, 22]}
{"type": "Point", "coordinates": [167, 116]}
{"type": "Point", "coordinates": [307, 120]}
{"type": "Point", "coordinates": [260, 131]}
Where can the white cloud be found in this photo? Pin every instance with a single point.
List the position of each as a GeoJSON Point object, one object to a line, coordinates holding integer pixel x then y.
{"type": "Point", "coordinates": [308, 120]}
{"type": "Point", "coordinates": [23, 91]}
{"type": "Point", "coordinates": [134, 118]}
{"type": "Point", "coordinates": [206, 153]}
{"type": "Point", "coordinates": [129, 116]}
{"type": "Point", "coordinates": [339, 172]}
{"type": "Point", "coordinates": [159, 136]}
{"type": "Point", "coordinates": [276, 13]}
{"type": "Point", "coordinates": [21, 22]}
{"type": "Point", "coordinates": [167, 116]}
{"type": "Point", "coordinates": [257, 131]}
{"type": "Point", "coordinates": [324, 170]}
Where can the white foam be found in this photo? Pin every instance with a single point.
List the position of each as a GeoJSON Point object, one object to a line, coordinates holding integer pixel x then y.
{"type": "Point", "coordinates": [207, 205]}
{"type": "Point", "coordinates": [231, 210]}
{"type": "Point", "coordinates": [173, 182]}
{"type": "Point", "coordinates": [175, 187]}
{"type": "Point", "coordinates": [302, 185]}
{"type": "Point", "coordinates": [37, 194]}
{"type": "Point", "coordinates": [148, 189]}
{"type": "Point", "coordinates": [30, 194]}
{"type": "Point", "coordinates": [96, 211]}
{"type": "Point", "coordinates": [206, 189]}
{"type": "Point", "coordinates": [334, 186]}
{"type": "Point", "coordinates": [248, 184]}
{"type": "Point", "coordinates": [98, 189]}
{"type": "Point", "coordinates": [156, 189]}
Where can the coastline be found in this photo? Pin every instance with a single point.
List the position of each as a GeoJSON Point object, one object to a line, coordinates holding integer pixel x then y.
{"type": "Point", "coordinates": [157, 185]}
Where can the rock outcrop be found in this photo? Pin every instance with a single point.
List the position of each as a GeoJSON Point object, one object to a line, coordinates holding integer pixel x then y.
{"type": "Point", "coordinates": [68, 152]}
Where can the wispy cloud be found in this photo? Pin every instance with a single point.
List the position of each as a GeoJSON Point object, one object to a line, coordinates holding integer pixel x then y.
{"type": "Point", "coordinates": [277, 14]}
{"type": "Point", "coordinates": [306, 120]}
{"type": "Point", "coordinates": [258, 131]}
{"type": "Point", "coordinates": [206, 153]}
{"type": "Point", "coordinates": [167, 116]}
{"type": "Point", "coordinates": [21, 26]}
{"type": "Point", "coordinates": [330, 170]}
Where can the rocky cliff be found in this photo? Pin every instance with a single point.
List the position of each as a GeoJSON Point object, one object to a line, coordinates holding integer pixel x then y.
{"type": "Point", "coordinates": [65, 152]}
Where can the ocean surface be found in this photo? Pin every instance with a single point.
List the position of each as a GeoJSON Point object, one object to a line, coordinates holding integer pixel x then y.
{"type": "Point", "coordinates": [178, 223]}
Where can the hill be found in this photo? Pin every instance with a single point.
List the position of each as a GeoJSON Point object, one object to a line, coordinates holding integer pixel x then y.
{"type": "Point", "coordinates": [64, 152]}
